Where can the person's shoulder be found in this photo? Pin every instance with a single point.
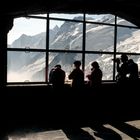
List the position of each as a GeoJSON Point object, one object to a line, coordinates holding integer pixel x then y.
{"type": "Point", "coordinates": [63, 71]}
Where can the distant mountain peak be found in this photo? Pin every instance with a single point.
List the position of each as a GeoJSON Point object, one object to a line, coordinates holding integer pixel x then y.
{"type": "Point", "coordinates": [23, 35]}
{"type": "Point", "coordinates": [56, 28]}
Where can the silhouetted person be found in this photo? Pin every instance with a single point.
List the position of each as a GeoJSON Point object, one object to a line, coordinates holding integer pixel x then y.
{"type": "Point", "coordinates": [95, 78]}
{"type": "Point", "coordinates": [57, 77]}
{"type": "Point", "coordinates": [77, 76]}
{"type": "Point", "coordinates": [122, 69]}
{"type": "Point", "coordinates": [133, 70]}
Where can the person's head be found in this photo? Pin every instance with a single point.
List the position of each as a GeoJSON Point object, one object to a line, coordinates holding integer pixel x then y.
{"type": "Point", "coordinates": [58, 66]}
{"type": "Point", "coordinates": [95, 65]}
{"type": "Point", "coordinates": [124, 58]}
{"type": "Point", "coordinates": [77, 63]}
{"type": "Point", "coordinates": [130, 61]}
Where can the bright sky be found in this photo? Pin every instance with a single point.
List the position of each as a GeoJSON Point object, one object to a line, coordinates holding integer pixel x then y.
{"type": "Point", "coordinates": [26, 26]}
{"type": "Point", "coordinates": [30, 26]}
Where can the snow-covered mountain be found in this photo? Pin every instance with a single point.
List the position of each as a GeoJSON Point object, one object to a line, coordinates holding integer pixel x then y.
{"type": "Point", "coordinates": [30, 66]}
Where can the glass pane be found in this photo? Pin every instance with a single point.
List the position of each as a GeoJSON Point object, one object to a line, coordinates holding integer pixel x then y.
{"type": "Point", "coordinates": [66, 35]}
{"type": "Point", "coordinates": [39, 15]}
{"type": "Point", "coordinates": [99, 37]}
{"type": "Point", "coordinates": [103, 18]}
{"type": "Point", "coordinates": [65, 60]}
{"type": "Point", "coordinates": [67, 16]}
{"type": "Point", "coordinates": [121, 21]}
{"type": "Point", "coordinates": [27, 33]}
{"type": "Point", "coordinates": [105, 63]}
{"type": "Point", "coordinates": [128, 40]}
{"type": "Point", "coordinates": [26, 67]}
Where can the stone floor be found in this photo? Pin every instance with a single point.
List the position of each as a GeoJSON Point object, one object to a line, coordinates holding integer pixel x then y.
{"type": "Point", "coordinates": [114, 131]}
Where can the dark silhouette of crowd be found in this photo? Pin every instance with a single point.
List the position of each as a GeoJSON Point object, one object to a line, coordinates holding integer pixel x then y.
{"type": "Point", "coordinates": [127, 69]}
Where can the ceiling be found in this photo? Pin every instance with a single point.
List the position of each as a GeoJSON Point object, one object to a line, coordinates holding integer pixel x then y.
{"type": "Point", "coordinates": [127, 9]}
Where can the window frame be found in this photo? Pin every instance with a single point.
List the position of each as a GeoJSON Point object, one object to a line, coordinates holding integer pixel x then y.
{"type": "Point", "coordinates": [84, 52]}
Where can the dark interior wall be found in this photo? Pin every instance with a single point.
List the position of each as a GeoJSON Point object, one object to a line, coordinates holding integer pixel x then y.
{"type": "Point", "coordinates": [43, 106]}
{"type": "Point", "coordinates": [127, 9]}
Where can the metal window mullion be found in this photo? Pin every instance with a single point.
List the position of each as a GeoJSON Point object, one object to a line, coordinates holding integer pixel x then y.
{"type": "Point", "coordinates": [83, 43]}
{"type": "Point", "coordinates": [47, 47]}
{"type": "Point", "coordinates": [25, 50]}
{"type": "Point", "coordinates": [115, 45]}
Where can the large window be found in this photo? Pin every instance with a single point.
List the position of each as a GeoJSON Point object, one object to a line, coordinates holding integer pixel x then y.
{"type": "Point", "coordinates": [36, 43]}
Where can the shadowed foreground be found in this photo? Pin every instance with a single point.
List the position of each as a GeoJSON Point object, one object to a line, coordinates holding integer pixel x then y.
{"type": "Point", "coordinates": [42, 107]}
